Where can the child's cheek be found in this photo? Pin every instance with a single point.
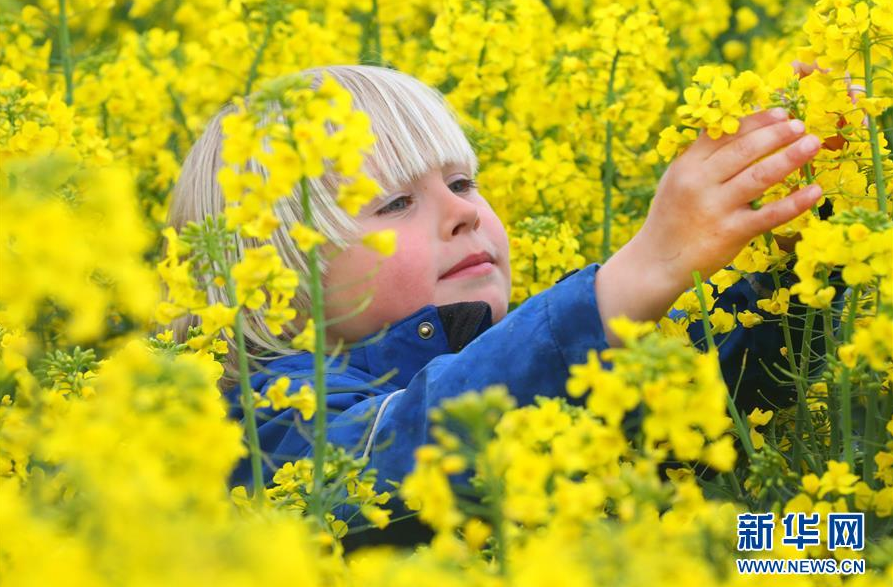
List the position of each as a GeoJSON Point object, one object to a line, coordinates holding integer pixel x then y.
{"type": "Point", "coordinates": [408, 278]}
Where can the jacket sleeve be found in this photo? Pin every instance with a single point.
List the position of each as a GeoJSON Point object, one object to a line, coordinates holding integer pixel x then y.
{"type": "Point", "coordinates": [529, 351]}
{"type": "Point", "coordinates": [762, 343]}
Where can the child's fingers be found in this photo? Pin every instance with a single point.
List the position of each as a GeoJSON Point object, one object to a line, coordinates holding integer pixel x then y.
{"type": "Point", "coordinates": [704, 146]}
{"type": "Point", "coordinates": [738, 155]}
{"type": "Point", "coordinates": [784, 210]}
{"type": "Point", "coordinates": [750, 183]}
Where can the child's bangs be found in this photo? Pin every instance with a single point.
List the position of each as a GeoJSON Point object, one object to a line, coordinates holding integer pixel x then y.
{"type": "Point", "coordinates": [415, 128]}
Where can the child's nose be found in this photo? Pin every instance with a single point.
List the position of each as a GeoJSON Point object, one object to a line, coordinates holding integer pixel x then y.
{"type": "Point", "coordinates": [458, 213]}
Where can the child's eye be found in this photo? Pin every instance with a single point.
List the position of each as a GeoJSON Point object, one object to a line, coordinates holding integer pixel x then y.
{"type": "Point", "coordinates": [393, 207]}
{"type": "Point", "coordinates": [460, 186]}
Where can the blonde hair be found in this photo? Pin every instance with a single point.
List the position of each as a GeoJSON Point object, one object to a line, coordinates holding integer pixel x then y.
{"type": "Point", "coordinates": [415, 129]}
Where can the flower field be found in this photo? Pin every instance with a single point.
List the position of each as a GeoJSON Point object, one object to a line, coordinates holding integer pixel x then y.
{"type": "Point", "coordinates": [118, 333]}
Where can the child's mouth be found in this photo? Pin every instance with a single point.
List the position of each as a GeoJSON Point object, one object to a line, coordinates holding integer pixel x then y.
{"type": "Point", "coordinates": [471, 271]}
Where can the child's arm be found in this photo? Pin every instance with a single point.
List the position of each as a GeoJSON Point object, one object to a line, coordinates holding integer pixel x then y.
{"type": "Point", "coordinates": [529, 351]}
{"type": "Point", "coordinates": [700, 217]}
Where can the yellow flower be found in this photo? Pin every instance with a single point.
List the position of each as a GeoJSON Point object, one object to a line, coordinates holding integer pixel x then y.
{"type": "Point", "coordinates": [749, 319]}
{"type": "Point", "coordinates": [722, 321]}
{"type": "Point", "coordinates": [673, 329]}
{"type": "Point", "coordinates": [883, 502]}
{"type": "Point", "coordinates": [240, 141]}
{"type": "Point", "coordinates": [873, 340]}
{"type": "Point", "coordinates": [716, 102]}
{"type": "Point", "coordinates": [721, 454]}
{"type": "Point", "coordinates": [847, 354]}
{"type": "Point", "coordinates": [688, 302]}
{"type": "Point", "coordinates": [261, 266]}
{"type": "Point", "coordinates": [166, 312]}
{"type": "Point", "coordinates": [382, 241]}
{"type": "Point", "coordinates": [733, 49]}
{"type": "Point", "coordinates": [276, 393]}
{"type": "Point", "coordinates": [884, 462]}
{"type": "Point", "coordinates": [810, 483]}
{"type": "Point", "coordinates": [304, 400]}
{"type": "Point", "coordinates": [305, 237]}
{"type": "Point", "coordinates": [757, 439]}
{"type": "Point", "coordinates": [799, 503]}
{"type": "Point", "coordinates": [723, 279]}
{"type": "Point", "coordinates": [611, 399]}
{"type": "Point", "coordinates": [453, 464]}
{"type": "Point", "coordinates": [837, 479]}
{"type": "Point", "coordinates": [759, 418]}
{"type": "Point", "coordinates": [353, 196]}
{"type": "Point", "coordinates": [306, 340]}
{"type": "Point", "coordinates": [745, 19]}
{"type": "Point", "coordinates": [778, 304]}
{"type": "Point", "coordinates": [217, 317]}
{"type": "Point", "coordinates": [378, 516]}
{"type": "Point", "coordinates": [239, 497]}
{"type": "Point", "coordinates": [220, 347]}
{"type": "Point", "coordinates": [542, 250]}
{"type": "Point", "coordinates": [672, 142]}
{"type": "Point", "coordinates": [856, 273]}
{"type": "Point", "coordinates": [863, 497]}
{"type": "Point", "coordinates": [235, 184]}
{"type": "Point", "coordinates": [476, 533]}
{"type": "Point", "coordinates": [629, 330]}
{"type": "Point", "coordinates": [428, 490]}
{"type": "Point", "coordinates": [16, 347]}
{"type": "Point", "coordinates": [857, 232]}
{"type": "Point", "coordinates": [260, 401]}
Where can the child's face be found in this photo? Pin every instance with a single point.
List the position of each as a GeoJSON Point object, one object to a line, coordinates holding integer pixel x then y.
{"type": "Point", "coordinates": [440, 219]}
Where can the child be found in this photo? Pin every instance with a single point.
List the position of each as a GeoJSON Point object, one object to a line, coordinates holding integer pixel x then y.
{"type": "Point", "coordinates": [442, 298]}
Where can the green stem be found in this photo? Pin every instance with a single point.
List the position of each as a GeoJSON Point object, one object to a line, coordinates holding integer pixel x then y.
{"type": "Point", "coordinates": [831, 350]}
{"type": "Point", "coordinates": [872, 128]}
{"type": "Point", "coordinates": [871, 443]}
{"type": "Point", "coordinates": [886, 129]}
{"type": "Point", "coordinates": [247, 397]}
{"type": "Point", "coordinates": [608, 171]}
{"type": "Point", "coordinates": [498, 527]}
{"type": "Point", "coordinates": [805, 357]}
{"type": "Point", "coordinates": [734, 484]}
{"type": "Point", "coordinates": [873, 415]}
{"type": "Point", "coordinates": [740, 425]}
{"type": "Point", "coordinates": [476, 107]}
{"type": "Point", "coordinates": [846, 406]}
{"type": "Point", "coordinates": [804, 418]}
{"type": "Point", "coordinates": [252, 72]}
{"type": "Point", "coordinates": [376, 34]}
{"type": "Point", "coordinates": [65, 50]}
{"type": "Point", "coordinates": [317, 505]}
{"type": "Point", "coordinates": [494, 495]}
{"type": "Point", "coordinates": [807, 172]}
{"type": "Point", "coordinates": [846, 423]}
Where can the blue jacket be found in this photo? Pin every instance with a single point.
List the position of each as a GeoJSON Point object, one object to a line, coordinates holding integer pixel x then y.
{"type": "Point", "coordinates": [388, 383]}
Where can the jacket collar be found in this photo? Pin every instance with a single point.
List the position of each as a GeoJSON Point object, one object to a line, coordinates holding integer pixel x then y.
{"type": "Point", "coordinates": [403, 348]}
{"type": "Point", "coordinates": [412, 342]}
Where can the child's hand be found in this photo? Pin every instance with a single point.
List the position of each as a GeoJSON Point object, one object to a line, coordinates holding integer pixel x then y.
{"type": "Point", "coordinates": [701, 218]}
